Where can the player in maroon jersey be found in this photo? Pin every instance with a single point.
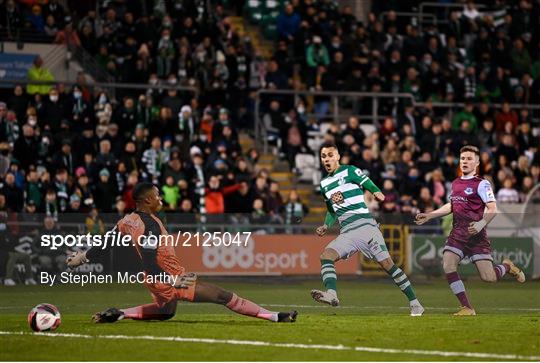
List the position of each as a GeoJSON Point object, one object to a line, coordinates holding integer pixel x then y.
{"type": "Point", "coordinates": [473, 206]}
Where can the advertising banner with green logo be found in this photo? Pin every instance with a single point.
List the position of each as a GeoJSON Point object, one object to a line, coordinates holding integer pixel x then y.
{"type": "Point", "coordinates": [426, 254]}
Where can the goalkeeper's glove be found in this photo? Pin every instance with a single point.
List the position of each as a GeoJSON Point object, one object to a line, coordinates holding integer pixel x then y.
{"type": "Point", "coordinates": [76, 259]}
{"type": "Point", "coordinates": [185, 281]}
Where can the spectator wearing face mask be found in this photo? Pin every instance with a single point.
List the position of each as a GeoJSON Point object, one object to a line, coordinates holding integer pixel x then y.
{"type": "Point", "coordinates": [52, 111]}
{"type": "Point", "coordinates": [77, 108]}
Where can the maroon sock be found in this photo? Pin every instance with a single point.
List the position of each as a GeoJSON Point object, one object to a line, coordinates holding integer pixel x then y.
{"type": "Point", "coordinates": [458, 288]}
{"type": "Point", "coordinates": [501, 270]}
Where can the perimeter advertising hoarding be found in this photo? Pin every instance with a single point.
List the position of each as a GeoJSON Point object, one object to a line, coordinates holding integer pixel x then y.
{"type": "Point", "coordinates": [15, 66]}
{"type": "Point", "coordinates": [426, 251]}
{"type": "Point", "coordinates": [277, 254]}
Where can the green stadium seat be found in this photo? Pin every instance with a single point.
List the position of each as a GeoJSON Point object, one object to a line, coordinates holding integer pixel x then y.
{"type": "Point", "coordinates": [268, 26]}
{"type": "Point", "coordinates": [254, 9]}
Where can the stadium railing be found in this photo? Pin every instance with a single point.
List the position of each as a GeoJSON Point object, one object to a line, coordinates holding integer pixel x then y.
{"type": "Point", "coordinates": [337, 114]}
{"type": "Point", "coordinates": [416, 18]}
{"type": "Point", "coordinates": [109, 86]}
{"type": "Point", "coordinates": [335, 96]}
{"type": "Point", "coordinates": [89, 64]}
{"type": "Point", "coordinates": [441, 6]}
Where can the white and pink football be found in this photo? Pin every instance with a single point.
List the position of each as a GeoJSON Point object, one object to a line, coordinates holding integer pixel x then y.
{"type": "Point", "coordinates": [44, 317]}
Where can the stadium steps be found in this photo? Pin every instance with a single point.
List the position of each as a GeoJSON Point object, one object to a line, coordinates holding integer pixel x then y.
{"type": "Point", "coordinates": [246, 142]}
{"type": "Point", "coordinates": [280, 172]}
{"type": "Point", "coordinates": [254, 32]}
{"type": "Point", "coordinates": [238, 23]}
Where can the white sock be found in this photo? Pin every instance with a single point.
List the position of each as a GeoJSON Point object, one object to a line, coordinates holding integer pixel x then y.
{"type": "Point", "coordinates": [414, 302]}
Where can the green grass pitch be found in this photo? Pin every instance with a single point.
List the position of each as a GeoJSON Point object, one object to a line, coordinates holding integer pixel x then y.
{"type": "Point", "coordinates": [372, 315]}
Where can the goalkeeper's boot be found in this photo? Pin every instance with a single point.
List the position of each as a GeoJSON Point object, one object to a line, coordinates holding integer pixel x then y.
{"type": "Point", "coordinates": [325, 297]}
{"type": "Point", "coordinates": [109, 315]}
{"type": "Point", "coordinates": [514, 270]}
{"type": "Point", "coordinates": [287, 317]}
{"type": "Point", "coordinates": [465, 311]}
{"type": "Point", "coordinates": [416, 308]}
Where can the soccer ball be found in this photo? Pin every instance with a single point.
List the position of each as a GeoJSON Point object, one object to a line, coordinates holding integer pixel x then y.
{"type": "Point", "coordinates": [44, 317]}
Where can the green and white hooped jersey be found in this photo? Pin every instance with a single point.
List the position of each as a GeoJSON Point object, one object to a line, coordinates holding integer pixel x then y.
{"type": "Point", "coordinates": [344, 195]}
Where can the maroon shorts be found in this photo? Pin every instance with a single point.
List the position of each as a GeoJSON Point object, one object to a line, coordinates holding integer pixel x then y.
{"type": "Point", "coordinates": [476, 251]}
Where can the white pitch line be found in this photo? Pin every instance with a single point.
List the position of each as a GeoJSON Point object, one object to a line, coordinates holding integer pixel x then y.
{"type": "Point", "coordinates": [389, 307]}
{"type": "Point", "coordinates": [190, 305]}
{"type": "Point", "coordinates": [282, 345]}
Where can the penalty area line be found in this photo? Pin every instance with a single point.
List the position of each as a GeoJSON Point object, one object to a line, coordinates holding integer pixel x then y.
{"type": "Point", "coordinates": [279, 345]}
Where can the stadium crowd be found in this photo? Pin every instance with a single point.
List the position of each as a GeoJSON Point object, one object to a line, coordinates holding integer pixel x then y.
{"type": "Point", "coordinates": [481, 58]}
{"type": "Point", "coordinates": [80, 149]}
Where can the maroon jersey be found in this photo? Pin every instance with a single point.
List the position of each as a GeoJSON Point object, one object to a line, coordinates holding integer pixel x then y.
{"type": "Point", "coordinates": [468, 198]}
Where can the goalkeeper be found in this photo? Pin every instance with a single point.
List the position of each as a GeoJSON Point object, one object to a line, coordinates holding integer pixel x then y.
{"type": "Point", "coordinates": [159, 259]}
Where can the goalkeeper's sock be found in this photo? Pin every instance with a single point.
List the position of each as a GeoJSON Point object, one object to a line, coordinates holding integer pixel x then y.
{"type": "Point", "coordinates": [501, 270]}
{"type": "Point", "coordinates": [458, 288]}
{"type": "Point", "coordinates": [150, 312]}
{"type": "Point", "coordinates": [402, 281]}
{"type": "Point", "coordinates": [329, 276]}
{"type": "Point", "coordinates": [245, 307]}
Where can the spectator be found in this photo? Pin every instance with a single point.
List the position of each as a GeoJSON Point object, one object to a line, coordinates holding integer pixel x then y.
{"type": "Point", "coordinates": [465, 115]}
{"type": "Point", "coordinates": [317, 54]}
{"type": "Point", "coordinates": [391, 201]}
{"type": "Point", "coordinates": [288, 23]}
{"type": "Point", "coordinates": [61, 188]}
{"type": "Point", "coordinates": [215, 193]}
{"type": "Point", "coordinates": [11, 18]}
{"type": "Point", "coordinates": [258, 214]}
{"type": "Point", "coordinates": [521, 60]}
{"type": "Point", "coordinates": [171, 194]}
{"type": "Point", "coordinates": [426, 201]}
{"type": "Point", "coordinates": [20, 252]}
{"type": "Point", "coordinates": [504, 116]}
{"type": "Point", "coordinates": [294, 211]}
{"type": "Point", "coordinates": [508, 194]}
{"type": "Point", "coordinates": [38, 73]}
{"type": "Point", "coordinates": [105, 159]}
{"type": "Point", "coordinates": [51, 261]}
{"type": "Point", "coordinates": [68, 37]}
{"type": "Point", "coordinates": [14, 195]}
{"type": "Point", "coordinates": [74, 204]}
{"type": "Point", "coordinates": [36, 19]}
{"type": "Point", "coordinates": [94, 223]}
{"type": "Point", "coordinates": [105, 192]}
{"type": "Point", "coordinates": [152, 160]}
{"type": "Point", "coordinates": [240, 201]}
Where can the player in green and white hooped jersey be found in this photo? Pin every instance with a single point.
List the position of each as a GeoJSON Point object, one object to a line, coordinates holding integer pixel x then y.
{"type": "Point", "coordinates": [343, 192]}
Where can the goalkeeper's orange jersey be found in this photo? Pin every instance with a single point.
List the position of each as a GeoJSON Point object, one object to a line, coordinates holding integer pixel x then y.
{"type": "Point", "coordinates": [156, 257]}
{"type": "Point", "coordinates": [148, 235]}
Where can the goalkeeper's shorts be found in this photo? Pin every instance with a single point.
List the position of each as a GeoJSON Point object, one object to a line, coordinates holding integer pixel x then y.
{"type": "Point", "coordinates": [165, 293]}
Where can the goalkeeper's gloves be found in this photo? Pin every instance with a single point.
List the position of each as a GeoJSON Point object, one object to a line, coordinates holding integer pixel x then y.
{"type": "Point", "coordinates": [76, 259]}
{"type": "Point", "coordinates": [185, 281]}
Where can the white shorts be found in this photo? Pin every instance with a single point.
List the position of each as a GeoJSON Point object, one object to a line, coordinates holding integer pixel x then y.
{"type": "Point", "coordinates": [365, 238]}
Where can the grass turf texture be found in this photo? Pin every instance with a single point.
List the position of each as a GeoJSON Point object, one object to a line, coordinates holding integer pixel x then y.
{"type": "Point", "coordinates": [374, 314]}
